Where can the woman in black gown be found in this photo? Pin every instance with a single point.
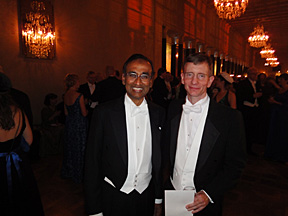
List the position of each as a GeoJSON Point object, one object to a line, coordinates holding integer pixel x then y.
{"type": "Point", "coordinates": [277, 142]}
{"type": "Point", "coordinates": [19, 195]}
{"type": "Point", "coordinates": [75, 130]}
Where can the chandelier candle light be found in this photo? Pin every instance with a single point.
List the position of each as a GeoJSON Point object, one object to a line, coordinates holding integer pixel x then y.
{"type": "Point", "coordinates": [38, 34]}
{"type": "Point", "coordinates": [267, 52]}
{"type": "Point", "coordinates": [272, 62]}
{"type": "Point", "coordinates": [258, 38]}
{"type": "Point", "coordinates": [230, 9]}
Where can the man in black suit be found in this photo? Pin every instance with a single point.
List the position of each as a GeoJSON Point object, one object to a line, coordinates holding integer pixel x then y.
{"type": "Point", "coordinates": [247, 102]}
{"type": "Point", "coordinates": [123, 158]}
{"type": "Point", "coordinates": [205, 141]}
{"type": "Point", "coordinates": [159, 90]}
{"type": "Point", "coordinates": [89, 92]}
{"type": "Point", "coordinates": [109, 88]}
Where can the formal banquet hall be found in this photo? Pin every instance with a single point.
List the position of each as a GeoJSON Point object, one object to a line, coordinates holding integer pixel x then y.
{"type": "Point", "coordinates": [42, 41]}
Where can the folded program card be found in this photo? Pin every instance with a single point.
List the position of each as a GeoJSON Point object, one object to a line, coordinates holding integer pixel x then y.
{"type": "Point", "coordinates": [175, 202]}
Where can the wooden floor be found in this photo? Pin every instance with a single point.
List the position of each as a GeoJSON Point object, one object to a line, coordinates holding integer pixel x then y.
{"type": "Point", "coordinates": [262, 190]}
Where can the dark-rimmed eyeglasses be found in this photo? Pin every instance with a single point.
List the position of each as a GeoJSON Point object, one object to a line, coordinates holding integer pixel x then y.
{"type": "Point", "coordinates": [133, 76]}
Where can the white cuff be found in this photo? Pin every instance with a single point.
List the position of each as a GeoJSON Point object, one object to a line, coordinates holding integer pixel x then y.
{"type": "Point", "coordinates": [208, 196]}
{"type": "Point", "coordinates": [99, 214]}
{"type": "Point", "coordinates": [158, 201]}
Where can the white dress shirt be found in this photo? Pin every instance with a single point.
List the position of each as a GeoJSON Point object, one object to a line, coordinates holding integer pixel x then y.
{"type": "Point", "coordinates": [139, 139]}
{"type": "Point", "coordinates": [188, 143]}
{"type": "Point", "coordinates": [92, 89]}
{"type": "Point", "coordinates": [139, 147]}
{"type": "Point", "coordinates": [247, 103]}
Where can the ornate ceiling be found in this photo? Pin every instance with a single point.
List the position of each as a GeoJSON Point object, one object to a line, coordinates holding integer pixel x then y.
{"type": "Point", "coordinates": [273, 15]}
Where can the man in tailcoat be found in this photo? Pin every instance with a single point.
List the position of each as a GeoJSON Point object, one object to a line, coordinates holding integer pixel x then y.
{"type": "Point", "coordinates": [204, 140]}
{"type": "Point", "coordinates": [89, 92]}
{"type": "Point", "coordinates": [247, 102]}
{"type": "Point", "coordinates": [123, 158]}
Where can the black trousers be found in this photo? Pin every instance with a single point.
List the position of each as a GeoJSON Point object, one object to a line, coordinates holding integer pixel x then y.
{"type": "Point", "coordinates": [117, 203]}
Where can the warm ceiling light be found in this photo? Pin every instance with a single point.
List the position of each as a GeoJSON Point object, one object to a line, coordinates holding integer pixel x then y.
{"type": "Point", "coordinates": [274, 64]}
{"type": "Point", "coordinates": [271, 59]}
{"type": "Point", "coordinates": [267, 52]}
{"type": "Point", "coordinates": [230, 9]}
{"type": "Point", "coordinates": [258, 38]}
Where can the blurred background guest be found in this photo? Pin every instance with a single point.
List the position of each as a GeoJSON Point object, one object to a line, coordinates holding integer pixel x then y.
{"type": "Point", "coordinates": [277, 143]}
{"type": "Point", "coordinates": [89, 92]}
{"type": "Point", "coordinates": [18, 187]}
{"type": "Point", "coordinates": [161, 89]}
{"type": "Point", "coordinates": [75, 130]}
{"type": "Point", "coordinates": [224, 95]}
{"type": "Point", "coordinates": [51, 141]}
{"type": "Point", "coordinates": [109, 88]}
{"type": "Point", "coordinates": [60, 107]}
{"type": "Point", "coordinates": [264, 85]}
{"type": "Point", "coordinates": [247, 102]}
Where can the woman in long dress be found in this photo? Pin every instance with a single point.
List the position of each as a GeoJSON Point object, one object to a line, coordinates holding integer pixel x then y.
{"type": "Point", "coordinates": [277, 142]}
{"type": "Point", "coordinates": [75, 130]}
{"type": "Point", "coordinates": [19, 195]}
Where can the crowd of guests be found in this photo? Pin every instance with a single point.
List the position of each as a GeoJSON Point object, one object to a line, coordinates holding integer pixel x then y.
{"type": "Point", "coordinates": [94, 127]}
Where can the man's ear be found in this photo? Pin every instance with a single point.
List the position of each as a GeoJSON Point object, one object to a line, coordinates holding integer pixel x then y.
{"type": "Point", "coordinates": [123, 79]}
{"type": "Point", "coordinates": [182, 78]}
{"type": "Point", "coordinates": [210, 81]}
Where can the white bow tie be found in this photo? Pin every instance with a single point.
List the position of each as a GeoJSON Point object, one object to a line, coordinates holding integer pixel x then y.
{"type": "Point", "coordinates": [139, 110]}
{"type": "Point", "coordinates": [194, 108]}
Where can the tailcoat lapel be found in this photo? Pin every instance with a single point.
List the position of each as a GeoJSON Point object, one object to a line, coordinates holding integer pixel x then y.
{"type": "Point", "coordinates": [209, 137]}
{"type": "Point", "coordinates": [175, 123]}
{"type": "Point", "coordinates": [156, 127]}
{"type": "Point", "coordinates": [118, 118]}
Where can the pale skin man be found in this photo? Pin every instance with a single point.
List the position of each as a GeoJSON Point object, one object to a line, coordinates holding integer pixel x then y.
{"type": "Point", "coordinates": [196, 87]}
{"type": "Point", "coordinates": [205, 141]}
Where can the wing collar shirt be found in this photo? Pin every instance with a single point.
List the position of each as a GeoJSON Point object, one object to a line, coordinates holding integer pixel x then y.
{"type": "Point", "coordinates": [188, 144]}
{"type": "Point", "coordinates": [139, 147]}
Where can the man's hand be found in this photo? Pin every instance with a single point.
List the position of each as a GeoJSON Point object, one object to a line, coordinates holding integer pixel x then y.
{"type": "Point", "coordinates": [200, 202]}
{"type": "Point", "coordinates": [158, 210]}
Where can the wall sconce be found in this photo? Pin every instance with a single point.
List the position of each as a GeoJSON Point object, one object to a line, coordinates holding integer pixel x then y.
{"type": "Point", "coordinates": [38, 35]}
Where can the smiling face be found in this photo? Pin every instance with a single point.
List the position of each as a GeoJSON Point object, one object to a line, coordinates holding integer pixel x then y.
{"type": "Point", "coordinates": [196, 85]}
{"type": "Point", "coordinates": [137, 88]}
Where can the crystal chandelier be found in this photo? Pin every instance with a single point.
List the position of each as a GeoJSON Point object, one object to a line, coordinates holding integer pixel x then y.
{"type": "Point", "coordinates": [38, 34]}
{"type": "Point", "coordinates": [258, 38]}
{"type": "Point", "coordinates": [267, 52]}
{"type": "Point", "coordinates": [273, 59]}
{"type": "Point", "coordinates": [272, 62]}
{"type": "Point", "coordinates": [230, 9]}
